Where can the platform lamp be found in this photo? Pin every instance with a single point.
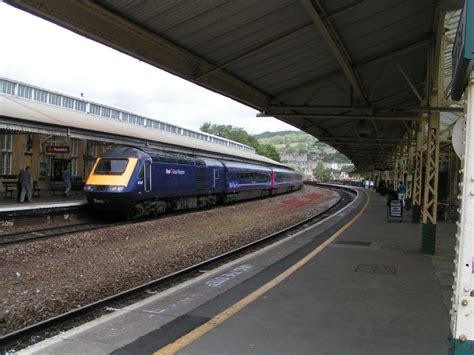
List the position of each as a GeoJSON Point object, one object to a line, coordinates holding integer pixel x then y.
{"type": "Point", "coordinates": [29, 145]}
{"type": "Point", "coordinates": [362, 128]}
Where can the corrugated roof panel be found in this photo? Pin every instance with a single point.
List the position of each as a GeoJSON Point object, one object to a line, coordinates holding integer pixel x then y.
{"type": "Point", "coordinates": [236, 17]}
{"type": "Point", "coordinates": [295, 65]}
{"type": "Point", "coordinates": [235, 43]}
{"type": "Point", "coordinates": [160, 16]}
{"type": "Point", "coordinates": [389, 30]}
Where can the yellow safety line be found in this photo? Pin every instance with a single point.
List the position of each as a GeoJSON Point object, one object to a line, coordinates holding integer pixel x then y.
{"type": "Point", "coordinates": [195, 334]}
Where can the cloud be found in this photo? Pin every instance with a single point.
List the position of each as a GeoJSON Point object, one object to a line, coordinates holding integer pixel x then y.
{"type": "Point", "coordinates": [43, 54]}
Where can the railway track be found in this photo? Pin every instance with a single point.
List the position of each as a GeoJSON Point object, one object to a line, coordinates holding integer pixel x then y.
{"type": "Point", "coordinates": [19, 237]}
{"type": "Point", "coordinates": [49, 327]}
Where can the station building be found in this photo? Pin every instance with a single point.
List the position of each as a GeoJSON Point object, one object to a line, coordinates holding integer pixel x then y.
{"type": "Point", "coordinates": [48, 131]}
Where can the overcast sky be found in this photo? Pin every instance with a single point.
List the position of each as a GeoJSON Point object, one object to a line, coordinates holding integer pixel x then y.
{"type": "Point", "coordinates": [43, 54]}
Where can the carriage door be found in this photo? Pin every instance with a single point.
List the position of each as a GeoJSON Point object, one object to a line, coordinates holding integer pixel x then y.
{"type": "Point", "coordinates": [216, 177]}
{"type": "Point", "coordinates": [147, 176]}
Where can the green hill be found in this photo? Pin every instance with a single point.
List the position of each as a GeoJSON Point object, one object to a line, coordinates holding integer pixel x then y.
{"type": "Point", "coordinates": [298, 142]}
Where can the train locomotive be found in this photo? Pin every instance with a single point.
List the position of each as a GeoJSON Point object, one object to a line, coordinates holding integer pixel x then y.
{"type": "Point", "coordinates": [140, 182]}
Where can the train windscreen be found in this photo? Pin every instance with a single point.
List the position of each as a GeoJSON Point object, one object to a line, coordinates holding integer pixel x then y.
{"type": "Point", "coordinates": [111, 166]}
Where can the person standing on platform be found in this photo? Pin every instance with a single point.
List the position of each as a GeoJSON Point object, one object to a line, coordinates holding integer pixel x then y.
{"type": "Point", "coordinates": [26, 185]}
{"type": "Point", "coordinates": [18, 185]}
{"type": "Point", "coordinates": [402, 191]}
{"type": "Point", "coordinates": [67, 178]}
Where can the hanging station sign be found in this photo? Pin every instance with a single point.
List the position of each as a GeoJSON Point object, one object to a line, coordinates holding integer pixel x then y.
{"type": "Point", "coordinates": [57, 149]}
{"type": "Point", "coordinates": [463, 50]}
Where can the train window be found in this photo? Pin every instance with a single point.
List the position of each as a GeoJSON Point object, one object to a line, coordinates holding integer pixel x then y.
{"type": "Point", "coordinates": [111, 166]}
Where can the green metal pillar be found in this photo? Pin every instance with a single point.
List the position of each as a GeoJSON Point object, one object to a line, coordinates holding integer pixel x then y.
{"type": "Point", "coordinates": [418, 174]}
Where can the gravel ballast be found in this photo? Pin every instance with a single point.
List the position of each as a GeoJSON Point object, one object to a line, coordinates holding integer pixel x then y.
{"type": "Point", "coordinates": [44, 278]}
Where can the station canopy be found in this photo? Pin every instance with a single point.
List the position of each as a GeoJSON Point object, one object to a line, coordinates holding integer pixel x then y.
{"type": "Point", "coordinates": [352, 73]}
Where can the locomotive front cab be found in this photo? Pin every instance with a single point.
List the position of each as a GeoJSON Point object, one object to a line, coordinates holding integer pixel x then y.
{"type": "Point", "coordinates": [107, 177]}
{"type": "Point", "coordinates": [114, 180]}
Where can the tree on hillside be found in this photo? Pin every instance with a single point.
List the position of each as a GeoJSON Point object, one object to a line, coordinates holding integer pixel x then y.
{"type": "Point", "coordinates": [268, 151]}
{"type": "Point", "coordinates": [321, 174]}
{"type": "Point", "coordinates": [240, 135]}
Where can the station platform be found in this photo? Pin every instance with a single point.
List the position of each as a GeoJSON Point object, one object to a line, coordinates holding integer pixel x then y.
{"type": "Point", "coordinates": [352, 284]}
{"type": "Point", "coordinates": [45, 203]}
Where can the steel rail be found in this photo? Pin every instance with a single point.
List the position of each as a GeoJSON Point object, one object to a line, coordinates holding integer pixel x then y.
{"type": "Point", "coordinates": [20, 237]}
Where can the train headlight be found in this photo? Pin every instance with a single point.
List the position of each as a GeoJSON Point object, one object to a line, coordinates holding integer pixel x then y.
{"type": "Point", "coordinates": [89, 188]}
{"type": "Point", "coordinates": [116, 188]}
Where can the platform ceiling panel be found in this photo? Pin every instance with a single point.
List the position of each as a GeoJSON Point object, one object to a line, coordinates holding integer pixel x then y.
{"type": "Point", "coordinates": [375, 26]}
{"type": "Point", "coordinates": [321, 65]}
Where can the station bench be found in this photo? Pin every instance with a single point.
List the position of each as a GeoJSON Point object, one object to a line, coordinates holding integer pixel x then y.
{"type": "Point", "coordinates": [11, 186]}
{"type": "Point", "coordinates": [57, 186]}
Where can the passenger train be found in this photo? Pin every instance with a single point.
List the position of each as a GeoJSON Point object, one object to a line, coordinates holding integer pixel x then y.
{"type": "Point", "coordinates": [140, 182]}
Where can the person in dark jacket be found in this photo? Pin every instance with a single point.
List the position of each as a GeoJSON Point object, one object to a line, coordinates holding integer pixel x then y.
{"type": "Point", "coordinates": [67, 178]}
{"type": "Point", "coordinates": [26, 185]}
{"type": "Point", "coordinates": [18, 185]}
{"type": "Point", "coordinates": [392, 194]}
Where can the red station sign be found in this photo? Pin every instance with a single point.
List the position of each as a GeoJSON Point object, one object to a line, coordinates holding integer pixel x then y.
{"type": "Point", "coordinates": [57, 149]}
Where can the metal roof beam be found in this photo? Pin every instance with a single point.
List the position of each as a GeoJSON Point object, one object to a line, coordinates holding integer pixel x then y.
{"type": "Point", "coordinates": [336, 142]}
{"type": "Point", "coordinates": [364, 152]}
{"type": "Point", "coordinates": [370, 139]}
{"type": "Point", "coordinates": [349, 117]}
{"type": "Point", "coordinates": [366, 108]}
{"type": "Point", "coordinates": [336, 46]}
{"type": "Point", "coordinates": [409, 82]}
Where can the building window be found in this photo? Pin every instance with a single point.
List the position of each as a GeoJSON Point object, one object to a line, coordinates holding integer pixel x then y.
{"type": "Point", "coordinates": [41, 95]}
{"type": "Point", "coordinates": [54, 99]}
{"type": "Point", "coordinates": [68, 102]}
{"type": "Point", "coordinates": [105, 112]}
{"type": "Point", "coordinates": [6, 154]}
{"type": "Point", "coordinates": [131, 118]}
{"type": "Point", "coordinates": [7, 87]}
{"type": "Point", "coordinates": [80, 106]}
{"type": "Point", "coordinates": [95, 109]}
{"type": "Point", "coordinates": [93, 151]}
{"type": "Point", "coordinates": [115, 114]}
{"type": "Point", "coordinates": [25, 91]}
